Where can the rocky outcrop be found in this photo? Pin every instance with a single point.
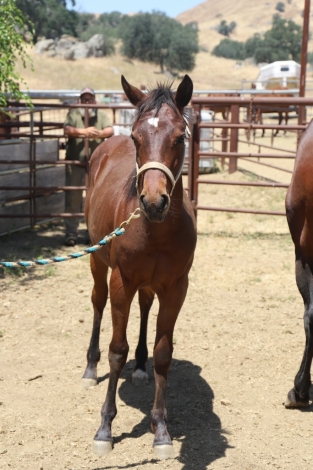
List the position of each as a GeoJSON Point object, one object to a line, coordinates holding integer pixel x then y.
{"type": "Point", "coordinates": [44, 45]}
{"type": "Point", "coordinates": [69, 48]}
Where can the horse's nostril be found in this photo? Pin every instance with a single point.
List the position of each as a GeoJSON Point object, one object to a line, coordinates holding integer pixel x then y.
{"type": "Point", "coordinates": [164, 201]}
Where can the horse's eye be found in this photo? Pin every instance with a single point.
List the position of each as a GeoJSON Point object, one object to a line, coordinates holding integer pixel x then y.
{"type": "Point", "coordinates": [180, 139]}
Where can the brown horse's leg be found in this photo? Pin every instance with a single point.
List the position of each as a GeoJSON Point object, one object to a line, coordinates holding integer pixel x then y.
{"type": "Point", "coordinates": [280, 119]}
{"type": "Point", "coordinates": [162, 356]}
{"type": "Point", "coordinates": [118, 351]}
{"type": "Point", "coordinates": [99, 298]}
{"type": "Point", "coordinates": [286, 121]}
{"type": "Point", "coordinates": [299, 395]}
{"type": "Point", "coordinates": [140, 376]}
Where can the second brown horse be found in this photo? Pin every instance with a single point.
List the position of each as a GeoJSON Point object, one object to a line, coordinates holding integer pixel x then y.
{"type": "Point", "coordinates": [154, 256]}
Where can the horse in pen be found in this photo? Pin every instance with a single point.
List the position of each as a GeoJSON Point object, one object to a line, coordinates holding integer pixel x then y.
{"type": "Point", "coordinates": [255, 112]}
{"type": "Point", "coordinates": [156, 255]}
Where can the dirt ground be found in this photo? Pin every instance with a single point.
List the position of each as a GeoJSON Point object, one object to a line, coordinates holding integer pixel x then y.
{"type": "Point", "coordinates": [238, 344]}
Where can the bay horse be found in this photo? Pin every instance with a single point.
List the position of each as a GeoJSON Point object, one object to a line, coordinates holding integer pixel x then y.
{"type": "Point", "coordinates": [299, 203]}
{"type": "Point", "coordinates": [219, 108]}
{"type": "Point", "coordinates": [258, 111]}
{"type": "Point", "coordinates": [154, 256]}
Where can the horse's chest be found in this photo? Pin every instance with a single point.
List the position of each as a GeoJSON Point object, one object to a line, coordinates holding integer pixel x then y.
{"type": "Point", "coordinates": [150, 269]}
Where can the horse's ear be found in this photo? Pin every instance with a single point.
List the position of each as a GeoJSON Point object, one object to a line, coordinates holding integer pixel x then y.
{"type": "Point", "coordinates": [133, 94]}
{"type": "Point", "coordinates": [184, 93]}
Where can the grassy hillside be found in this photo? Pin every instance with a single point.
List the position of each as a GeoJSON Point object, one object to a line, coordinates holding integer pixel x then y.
{"type": "Point", "coordinates": [104, 73]}
{"type": "Point", "coordinates": [251, 17]}
{"type": "Point", "coordinates": [210, 72]}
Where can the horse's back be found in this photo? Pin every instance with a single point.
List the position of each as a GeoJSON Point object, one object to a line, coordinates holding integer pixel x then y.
{"type": "Point", "coordinates": [299, 199]}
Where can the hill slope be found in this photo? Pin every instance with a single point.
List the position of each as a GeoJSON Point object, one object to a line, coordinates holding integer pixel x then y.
{"type": "Point", "coordinates": [250, 17]}
{"type": "Point", "coordinates": [210, 72]}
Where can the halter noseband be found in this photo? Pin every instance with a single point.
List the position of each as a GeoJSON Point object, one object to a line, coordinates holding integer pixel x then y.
{"type": "Point", "coordinates": [162, 167]}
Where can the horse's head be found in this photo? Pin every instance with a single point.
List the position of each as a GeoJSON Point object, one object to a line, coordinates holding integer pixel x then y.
{"type": "Point", "coordinates": [158, 134]}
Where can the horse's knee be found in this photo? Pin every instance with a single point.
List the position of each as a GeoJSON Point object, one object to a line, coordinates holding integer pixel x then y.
{"type": "Point", "coordinates": [308, 317]}
{"type": "Point", "coordinates": [162, 357]}
{"type": "Point", "coordinates": [118, 354]}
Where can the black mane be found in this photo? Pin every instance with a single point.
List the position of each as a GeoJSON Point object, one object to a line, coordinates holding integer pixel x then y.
{"type": "Point", "coordinates": [163, 94]}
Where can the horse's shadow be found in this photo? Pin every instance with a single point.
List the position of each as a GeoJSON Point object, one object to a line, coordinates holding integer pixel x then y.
{"type": "Point", "coordinates": [190, 409]}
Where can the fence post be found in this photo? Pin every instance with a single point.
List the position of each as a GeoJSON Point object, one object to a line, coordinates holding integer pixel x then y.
{"type": "Point", "coordinates": [194, 159]}
{"type": "Point", "coordinates": [87, 156]}
{"type": "Point", "coordinates": [224, 144]}
{"type": "Point", "coordinates": [233, 138]}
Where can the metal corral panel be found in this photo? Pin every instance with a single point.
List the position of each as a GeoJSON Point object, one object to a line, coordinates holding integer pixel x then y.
{"type": "Point", "coordinates": [17, 175]}
{"type": "Point", "coordinates": [44, 204]}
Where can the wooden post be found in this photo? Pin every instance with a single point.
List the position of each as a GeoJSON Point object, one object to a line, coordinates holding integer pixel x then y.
{"type": "Point", "coordinates": [304, 50]}
{"type": "Point", "coordinates": [224, 144]}
{"type": "Point", "coordinates": [233, 138]}
{"type": "Point", "coordinates": [86, 124]}
{"type": "Point", "coordinates": [194, 159]}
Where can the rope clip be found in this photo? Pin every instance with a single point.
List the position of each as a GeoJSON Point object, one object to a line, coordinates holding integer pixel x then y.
{"type": "Point", "coordinates": [133, 215]}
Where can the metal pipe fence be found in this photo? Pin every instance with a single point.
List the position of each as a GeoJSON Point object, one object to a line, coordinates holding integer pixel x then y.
{"type": "Point", "coordinates": [242, 119]}
{"type": "Point", "coordinates": [28, 180]}
{"type": "Point", "coordinates": [45, 124]}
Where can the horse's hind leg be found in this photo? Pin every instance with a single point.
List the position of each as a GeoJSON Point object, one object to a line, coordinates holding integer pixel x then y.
{"type": "Point", "coordinates": [299, 395]}
{"type": "Point", "coordinates": [99, 298]}
{"type": "Point", "coordinates": [140, 375]}
{"type": "Point", "coordinates": [280, 120]}
{"type": "Point", "coordinates": [286, 121]}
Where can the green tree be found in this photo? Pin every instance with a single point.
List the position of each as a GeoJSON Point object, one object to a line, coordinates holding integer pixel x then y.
{"type": "Point", "coordinates": [154, 37]}
{"type": "Point", "coordinates": [226, 29]}
{"type": "Point", "coordinates": [12, 47]}
{"type": "Point", "coordinates": [107, 24]}
{"type": "Point", "coordinates": [252, 44]}
{"type": "Point", "coordinates": [280, 7]}
{"type": "Point", "coordinates": [229, 49]}
{"type": "Point", "coordinates": [50, 18]}
{"type": "Point", "coordinates": [281, 42]}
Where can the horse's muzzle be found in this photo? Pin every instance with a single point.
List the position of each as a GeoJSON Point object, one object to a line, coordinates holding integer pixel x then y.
{"type": "Point", "coordinates": [155, 211]}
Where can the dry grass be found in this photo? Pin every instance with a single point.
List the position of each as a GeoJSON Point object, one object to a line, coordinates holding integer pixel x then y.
{"type": "Point", "coordinates": [210, 72]}
{"type": "Point", "coordinates": [250, 17]}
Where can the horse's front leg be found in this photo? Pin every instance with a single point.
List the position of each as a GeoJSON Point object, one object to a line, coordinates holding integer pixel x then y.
{"type": "Point", "coordinates": [118, 351]}
{"type": "Point", "coordinates": [299, 395]}
{"type": "Point", "coordinates": [140, 375]}
{"type": "Point", "coordinates": [280, 119]}
{"type": "Point", "coordinates": [170, 306]}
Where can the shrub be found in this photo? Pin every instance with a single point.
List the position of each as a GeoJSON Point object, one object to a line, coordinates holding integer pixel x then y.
{"type": "Point", "coordinates": [229, 49]}
{"type": "Point", "coordinates": [280, 7]}
{"type": "Point", "coordinates": [226, 29]}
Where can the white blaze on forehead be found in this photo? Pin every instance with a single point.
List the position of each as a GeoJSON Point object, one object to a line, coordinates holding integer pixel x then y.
{"type": "Point", "coordinates": [153, 121]}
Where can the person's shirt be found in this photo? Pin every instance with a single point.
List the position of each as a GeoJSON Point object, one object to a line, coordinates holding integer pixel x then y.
{"type": "Point", "coordinates": [75, 147]}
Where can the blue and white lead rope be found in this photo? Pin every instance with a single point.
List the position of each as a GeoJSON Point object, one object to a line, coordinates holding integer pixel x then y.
{"type": "Point", "coordinates": [58, 259]}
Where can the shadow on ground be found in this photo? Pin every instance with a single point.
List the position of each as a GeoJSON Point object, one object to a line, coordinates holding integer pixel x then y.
{"type": "Point", "coordinates": [190, 410]}
{"type": "Point", "coordinates": [44, 241]}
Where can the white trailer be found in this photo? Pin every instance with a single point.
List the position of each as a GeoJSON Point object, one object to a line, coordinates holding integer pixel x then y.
{"type": "Point", "coordinates": [284, 73]}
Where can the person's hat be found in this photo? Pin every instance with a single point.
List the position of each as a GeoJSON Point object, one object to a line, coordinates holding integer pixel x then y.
{"type": "Point", "coordinates": [87, 90]}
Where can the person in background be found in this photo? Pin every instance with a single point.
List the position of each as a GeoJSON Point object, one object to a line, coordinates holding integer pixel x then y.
{"type": "Point", "coordinates": [99, 128]}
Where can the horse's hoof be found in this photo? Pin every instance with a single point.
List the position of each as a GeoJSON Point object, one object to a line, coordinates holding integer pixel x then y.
{"type": "Point", "coordinates": [88, 383]}
{"type": "Point", "coordinates": [293, 401]}
{"type": "Point", "coordinates": [139, 377]}
{"type": "Point", "coordinates": [102, 448]}
{"type": "Point", "coordinates": [164, 451]}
